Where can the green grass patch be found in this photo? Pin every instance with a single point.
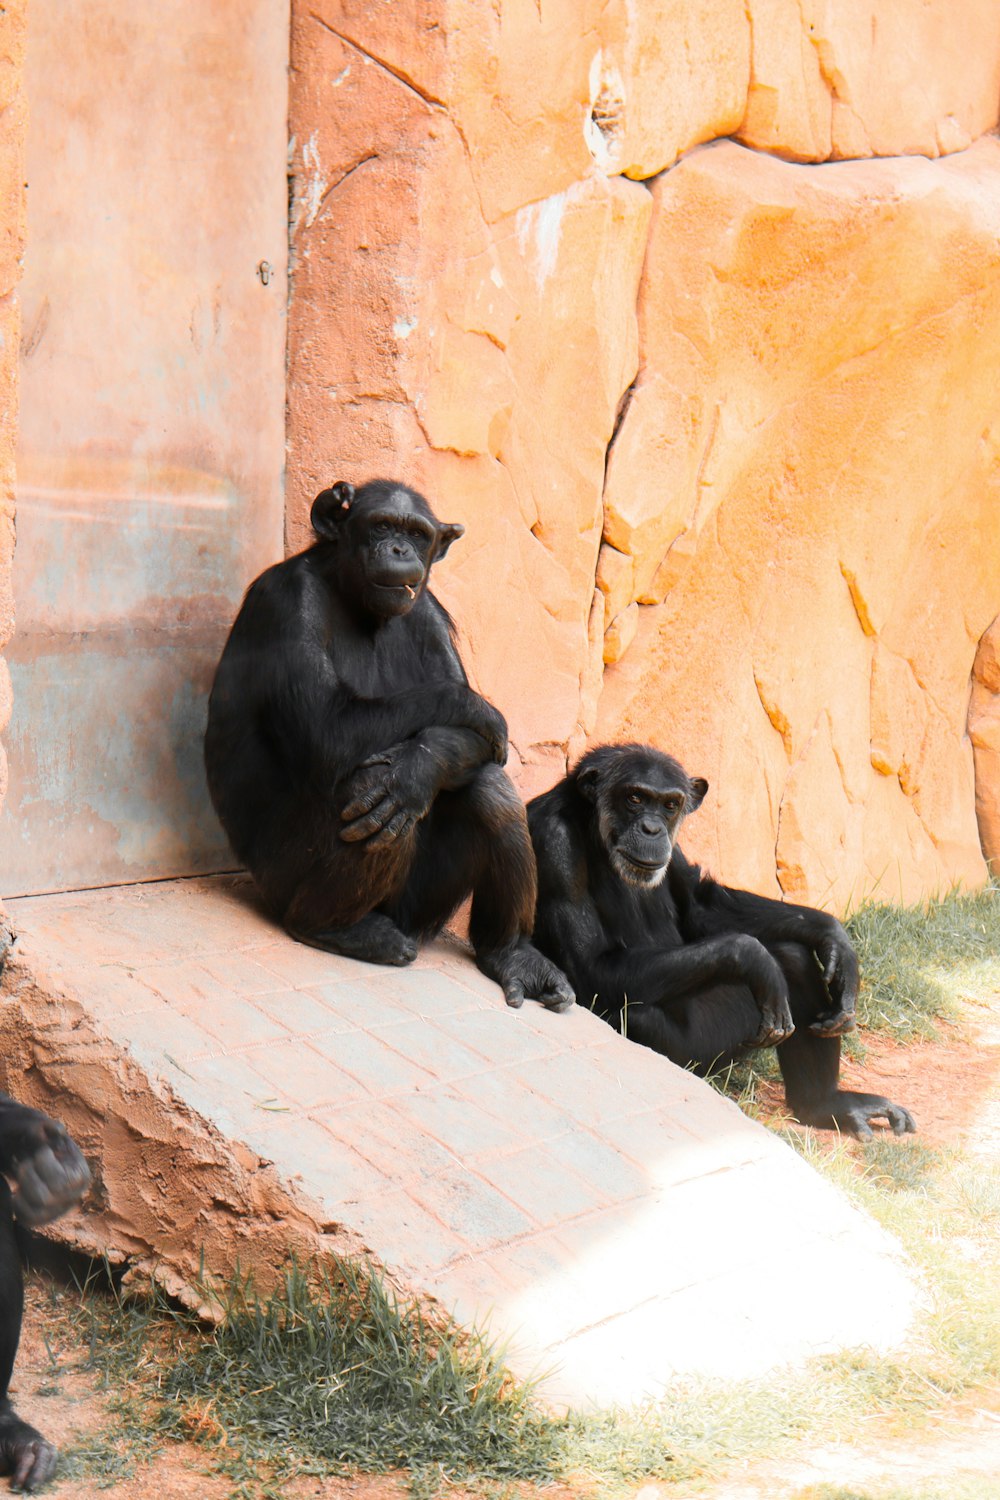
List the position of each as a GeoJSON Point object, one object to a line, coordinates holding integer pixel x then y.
{"type": "Point", "coordinates": [916, 959]}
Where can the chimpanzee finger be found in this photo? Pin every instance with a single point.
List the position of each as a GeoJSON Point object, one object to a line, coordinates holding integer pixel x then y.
{"type": "Point", "coordinates": [380, 758]}
{"type": "Point", "coordinates": [401, 823]}
{"type": "Point", "coordinates": [901, 1120]}
{"type": "Point", "coordinates": [513, 993]}
{"type": "Point", "coordinates": [376, 819]}
{"type": "Point", "coordinates": [557, 996]}
{"type": "Point", "coordinates": [367, 795]}
{"type": "Point", "coordinates": [34, 1466]}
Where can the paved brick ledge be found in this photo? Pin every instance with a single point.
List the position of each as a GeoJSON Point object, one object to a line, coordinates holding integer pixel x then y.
{"type": "Point", "coordinates": [609, 1215]}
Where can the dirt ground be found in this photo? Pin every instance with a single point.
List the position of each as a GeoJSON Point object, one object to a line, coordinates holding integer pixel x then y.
{"type": "Point", "coordinates": [951, 1086]}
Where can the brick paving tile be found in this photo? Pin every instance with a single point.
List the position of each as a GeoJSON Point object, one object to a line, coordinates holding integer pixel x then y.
{"type": "Point", "coordinates": [422, 991]}
{"type": "Point", "coordinates": [379, 1068]}
{"type": "Point", "coordinates": [496, 1037]}
{"type": "Point", "coordinates": [532, 1116]}
{"type": "Point", "coordinates": [477, 1215]}
{"type": "Point", "coordinates": [540, 1184]}
{"type": "Point", "coordinates": [241, 972]}
{"type": "Point", "coordinates": [226, 1090]}
{"type": "Point", "coordinates": [600, 1165]}
{"type": "Point", "coordinates": [305, 1012]}
{"type": "Point", "coordinates": [582, 1087]}
{"type": "Point", "coordinates": [301, 966]}
{"type": "Point", "coordinates": [403, 1234]}
{"type": "Point", "coordinates": [456, 1121]}
{"type": "Point", "coordinates": [357, 1007]}
{"type": "Point", "coordinates": [330, 1169]}
{"type": "Point", "coordinates": [389, 1141]}
{"type": "Point", "coordinates": [235, 1022]}
{"type": "Point", "coordinates": [110, 993]}
{"type": "Point", "coordinates": [181, 982]}
{"type": "Point", "coordinates": [294, 1071]}
{"type": "Point", "coordinates": [157, 1034]}
{"type": "Point", "coordinates": [422, 1042]}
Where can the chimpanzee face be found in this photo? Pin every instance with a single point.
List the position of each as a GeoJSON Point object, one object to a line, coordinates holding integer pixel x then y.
{"type": "Point", "coordinates": [387, 538]}
{"type": "Point", "coordinates": [640, 798]}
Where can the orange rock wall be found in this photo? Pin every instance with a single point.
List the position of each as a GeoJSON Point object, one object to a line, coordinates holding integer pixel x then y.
{"type": "Point", "coordinates": [721, 421]}
{"type": "Point", "coordinates": [12, 217]}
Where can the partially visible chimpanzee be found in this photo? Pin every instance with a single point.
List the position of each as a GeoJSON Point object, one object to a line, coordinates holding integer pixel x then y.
{"type": "Point", "coordinates": [42, 1174]}
{"type": "Point", "coordinates": [676, 961]}
{"type": "Point", "coordinates": [356, 773]}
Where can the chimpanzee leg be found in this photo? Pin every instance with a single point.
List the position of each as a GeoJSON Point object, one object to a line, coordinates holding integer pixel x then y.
{"type": "Point", "coordinates": [476, 839]}
{"type": "Point", "coordinates": [810, 1064]}
{"type": "Point", "coordinates": [334, 890]}
{"type": "Point", "coordinates": [24, 1453]}
{"type": "Point", "coordinates": [703, 1031]}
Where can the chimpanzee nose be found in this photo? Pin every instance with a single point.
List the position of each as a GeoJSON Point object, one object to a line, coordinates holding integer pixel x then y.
{"type": "Point", "coordinates": [650, 827]}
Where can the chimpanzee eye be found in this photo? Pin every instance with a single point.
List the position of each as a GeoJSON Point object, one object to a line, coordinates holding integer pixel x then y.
{"type": "Point", "coordinates": [633, 799]}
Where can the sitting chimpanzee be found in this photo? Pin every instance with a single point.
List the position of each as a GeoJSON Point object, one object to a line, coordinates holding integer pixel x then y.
{"type": "Point", "coordinates": [353, 768]}
{"type": "Point", "coordinates": [48, 1175]}
{"type": "Point", "coordinates": [676, 961]}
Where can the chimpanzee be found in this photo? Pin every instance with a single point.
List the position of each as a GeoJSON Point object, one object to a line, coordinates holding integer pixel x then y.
{"type": "Point", "coordinates": [356, 773]}
{"type": "Point", "coordinates": [48, 1175]}
{"type": "Point", "coordinates": [678, 962]}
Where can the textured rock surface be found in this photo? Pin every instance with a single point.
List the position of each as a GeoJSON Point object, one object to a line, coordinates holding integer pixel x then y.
{"type": "Point", "coordinates": [984, 731]}
{"type": "Point", "coordinates": [480, 351]}
{"type": "Point", "coordinates": [799, 486]}
{"type": "Point", "coordinates": [865, 78]}
{"type": "Point", "coordinates": [810, 422]}
{"type": "Point", "coordinates": [12, 126]}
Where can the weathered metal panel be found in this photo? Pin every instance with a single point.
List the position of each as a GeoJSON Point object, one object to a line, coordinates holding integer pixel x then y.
{"type": "Point", "coordinates": [151, 451]}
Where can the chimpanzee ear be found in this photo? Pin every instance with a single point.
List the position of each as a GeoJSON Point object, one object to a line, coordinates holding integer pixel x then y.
{"type": "Point", "coordinates": [587, 781]}
{"type": "Point", "coordinates": [448, 532]}
{"type": "Point", "coordinates": [330, 507]}
{"type": "Point", "coordinates": [699, 786]}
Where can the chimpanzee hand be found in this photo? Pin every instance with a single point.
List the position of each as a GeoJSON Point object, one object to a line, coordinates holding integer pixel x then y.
{"type": "Point", "coordinates": [491, 724]}
{"type": "Point", "coordinates": [769, 987]}
{"type": "Point", "coordinates": [45, 1167]}
{"type": "Point", "coordinates": [840, 971]}
{"type": "Point", "coordinates": [389, 793]}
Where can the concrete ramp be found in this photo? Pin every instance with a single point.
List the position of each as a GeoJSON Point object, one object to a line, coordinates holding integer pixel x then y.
{"type": "Point", "coordinates": [242, 1096]}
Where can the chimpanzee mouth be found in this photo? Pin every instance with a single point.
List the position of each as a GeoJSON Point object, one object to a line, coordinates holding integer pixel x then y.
{"type": "Point", "coordinates": [398, 588]}
{"type": "Point", "coordinates": [638, 871]}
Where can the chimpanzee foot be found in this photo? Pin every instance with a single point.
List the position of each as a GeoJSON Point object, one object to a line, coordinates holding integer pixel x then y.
{"type": "Point", "coordinates": [834, 1023]}
{"type": "Point", "coordinates": [375, 940]}
{"type": "Point", "coordinates": [772, 1034]}
{"type": "Point", "coordinates": [525, 974]}
{"type": "Point", "coordinates": [852, 1114]}
{"type": "Point", "coordinates": [24, 1453]}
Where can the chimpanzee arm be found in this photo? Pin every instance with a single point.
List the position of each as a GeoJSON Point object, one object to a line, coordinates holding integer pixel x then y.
{"type": "Point", "coordinates": [45, 1167]}
{"type": "Point", "coordinates": [395, 788]}
{"type": "Point", "coordinates": [706, 909]}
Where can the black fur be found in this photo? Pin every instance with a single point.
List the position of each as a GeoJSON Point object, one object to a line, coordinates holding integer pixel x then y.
{"type": "Point", "coordinates": [356, 773]}
{"type": "Point", "coordinates": [678, 962]}
{"type": "Point", "coordinates": [49, 1175]}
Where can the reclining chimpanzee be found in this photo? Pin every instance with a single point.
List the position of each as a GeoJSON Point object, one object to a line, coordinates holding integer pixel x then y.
{"type": "Point", "coordinates": [676, 961]}
{"type": "Point", "coordinates": [48, 1175]}
{"type": "Point", "coordinates": [356, 773]}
